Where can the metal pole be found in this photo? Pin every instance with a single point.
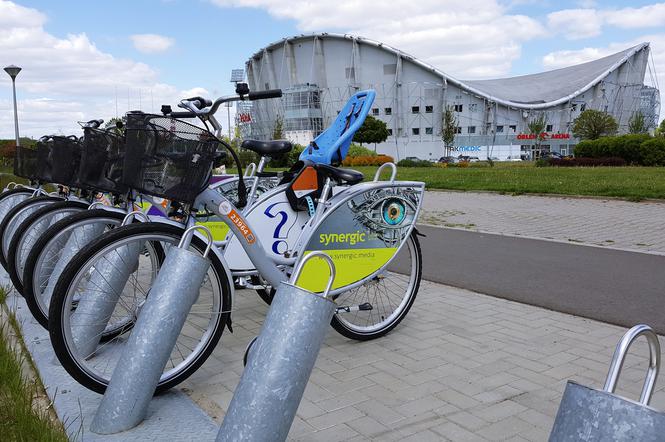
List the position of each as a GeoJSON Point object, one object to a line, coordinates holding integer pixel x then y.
{"type": "Point", "coordinates": [279, 363]}
{"type": "Point", "coordinates": [15, 113]}
{"type": "Point", "coordinates": [153, 338]}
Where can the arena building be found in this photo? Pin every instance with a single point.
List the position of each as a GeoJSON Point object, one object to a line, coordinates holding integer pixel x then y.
{"type": "Point", "coordinates": [319, 72]}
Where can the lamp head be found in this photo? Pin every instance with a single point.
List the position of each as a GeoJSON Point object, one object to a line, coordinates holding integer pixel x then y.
{"type": "Point", "coordinates": [12, 71]}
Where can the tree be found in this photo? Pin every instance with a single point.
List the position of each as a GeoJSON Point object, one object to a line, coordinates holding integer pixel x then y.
{"type": "Point", "coordinates": [7, 151]}
{"type": "Point", "coordinates": [448, 129]}
{"type": "Point", "coordinates": [116, 125]}
{"type": "Point", "coordinates": [637, 124]}
{"type": "Point", "coordinates": [537, 127]}
{"type": "Point", "coordinates": [278, 129]}
{"type": "Point", "coordinates": [593, 124]}
{"type": "Point", "coordinates": [372, 130]}
{"type": "Point", "coordinates": [660, 130]}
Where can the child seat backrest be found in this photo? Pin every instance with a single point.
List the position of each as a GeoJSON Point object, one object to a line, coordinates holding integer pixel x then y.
{"type": "Point", "coordinates": [332, 145]}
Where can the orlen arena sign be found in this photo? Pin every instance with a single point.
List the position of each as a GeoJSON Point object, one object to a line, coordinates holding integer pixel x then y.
{"type": "Point", "coordinates": [544, 136]}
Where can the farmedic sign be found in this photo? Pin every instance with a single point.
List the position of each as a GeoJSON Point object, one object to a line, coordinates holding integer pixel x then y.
{"type": "Point", "coordinates": [544, 136]}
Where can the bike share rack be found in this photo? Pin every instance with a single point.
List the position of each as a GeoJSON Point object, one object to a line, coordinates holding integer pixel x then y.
{"type": "Point", "coordinates": [280, 362]}
{"type": "Point", "coordinates": [76, 241]}
{"type": "Point", "coordinates": [112, 276]}
{"type": "Point", "coordinates": [586, 414]}
{"type": "Point", "coordinates": [153, 338]}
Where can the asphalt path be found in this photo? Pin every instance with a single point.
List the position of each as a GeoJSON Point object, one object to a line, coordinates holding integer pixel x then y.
{"type": "Point", "coordinates": [619, 287]}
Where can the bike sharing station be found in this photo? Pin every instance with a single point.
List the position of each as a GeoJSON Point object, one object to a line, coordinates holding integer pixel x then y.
{"type": "Point", "coordinates": [137, 289]}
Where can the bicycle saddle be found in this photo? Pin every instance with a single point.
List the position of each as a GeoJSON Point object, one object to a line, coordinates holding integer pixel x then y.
{"type": "Point", "coordinates": [348, 176]}
{"type": "Point", "coordinates": [273, 147]}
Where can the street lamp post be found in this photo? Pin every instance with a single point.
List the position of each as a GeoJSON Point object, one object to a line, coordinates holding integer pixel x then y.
{"type": "Point", "coordinates": [13, 72]}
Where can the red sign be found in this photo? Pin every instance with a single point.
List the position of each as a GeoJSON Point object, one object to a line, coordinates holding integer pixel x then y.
{"type": "Point", "coordinates": [244, 118]}
{"type": "Point", "coordinates": [544, 136]}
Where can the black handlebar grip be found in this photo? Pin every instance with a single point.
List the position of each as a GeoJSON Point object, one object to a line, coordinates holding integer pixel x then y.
{"type": "Point", "coordinates": [182, 115]}
{"type": "Point", "coordinates": [262, 95]}
{"type": "Point", "coordinates": [202, 102]}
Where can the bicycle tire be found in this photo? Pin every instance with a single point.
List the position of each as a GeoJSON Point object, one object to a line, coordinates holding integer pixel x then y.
{"type": "Point", "coordinates": [7, 226]}
{"type": "Point", "coordinates": [59, 309]}
{"type": "Point", "coordinates": [364, 333]}
{"type": "Point", "coordinates": [32, 291]}
{"type": "Point", "coordinates": [17, 243]}
{"type": "Point", "coordinates": [9, 198]}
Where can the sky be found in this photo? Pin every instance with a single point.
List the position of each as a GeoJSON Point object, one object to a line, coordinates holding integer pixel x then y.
{"type": "Point", "coordinates": [83, 60]}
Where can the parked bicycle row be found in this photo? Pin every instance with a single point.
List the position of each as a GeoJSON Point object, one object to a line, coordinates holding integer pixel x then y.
{"type": "Point", "coordinates": [85, 241]}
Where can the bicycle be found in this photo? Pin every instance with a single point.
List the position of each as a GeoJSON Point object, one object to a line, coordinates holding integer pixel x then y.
{"type": "Point", "coordinates": [381, 215]}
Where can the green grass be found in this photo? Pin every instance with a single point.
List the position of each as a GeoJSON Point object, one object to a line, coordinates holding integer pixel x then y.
{"type": "Point", "coordinates": [21, 418]}
{"type": "Point", "coordinates": [632, 183]}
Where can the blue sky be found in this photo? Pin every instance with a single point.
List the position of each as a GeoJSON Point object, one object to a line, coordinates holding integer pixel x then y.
{"type": "Point", "coordinates": [77, 54]}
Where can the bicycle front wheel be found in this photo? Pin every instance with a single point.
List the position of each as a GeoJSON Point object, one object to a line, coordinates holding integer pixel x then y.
{"type": "Point", "coordinates": [43, 260]}
{"type": "Point", "coordinates": [70, 333]}
{"type": "Point", "coordinates": [30, 230]}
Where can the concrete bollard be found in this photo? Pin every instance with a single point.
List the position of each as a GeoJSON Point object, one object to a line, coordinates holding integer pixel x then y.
{"type": "Point", "coordinates": [153, 338]}
{"type": "Point", "coordinates": [280, 362]}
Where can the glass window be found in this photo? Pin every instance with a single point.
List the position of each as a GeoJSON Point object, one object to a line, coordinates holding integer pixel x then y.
{"type": "Point", "coordinates": [388, 111]}
{"type": "Point", "coordinates": [458, 108]}
{"type": "Point", "coordinates": [415, 131]}
{"type": "Point", "coordinates": [473, 107]}
{"type": "Point", "coordinates": [583, 107]}
{"type": "Point", "coordinates": [429, 109]}
{"type": "Point", "coordinates": [390, 132]}
{"type": "Point", "coordinates": [513, 128]}
{"type": "Point", "coordinates": [415, 109]}
{"type": "Point", "coordinates": [375, 111]}
{"type": "Point", "coordinates": [429, 131]}
{"type": "Point", "coordinates": [499, 129]}
{"type": "Point", "coordinates": [458, 130]}
{"type": "Point", "coordinates": [471, 129]}
{"type": "Point", "coordinates": [548, 128]}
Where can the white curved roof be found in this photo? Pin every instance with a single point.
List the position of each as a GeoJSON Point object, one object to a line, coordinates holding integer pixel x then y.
{"type": "Point", "coordinates": [535, 91]}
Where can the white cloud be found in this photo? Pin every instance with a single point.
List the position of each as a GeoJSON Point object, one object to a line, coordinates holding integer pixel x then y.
{"type": "Point", "coordinates": [467, 38]}
{"type": "Point", "coordinates": [68, 79]}
{"type": "Point", "coordinates": [631, 18]}
{"type": "Point", "coordinates": [576, 23]}
{"type": "Point", "coordinates": [151, 43]}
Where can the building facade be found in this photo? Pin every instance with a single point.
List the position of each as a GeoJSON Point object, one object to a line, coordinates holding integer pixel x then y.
{"type": "Point", "coordinates": [319, 72]}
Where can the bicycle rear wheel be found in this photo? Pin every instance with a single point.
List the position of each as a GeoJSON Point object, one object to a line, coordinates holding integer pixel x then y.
{"type": "Point", "coordinates": [202, 330]}
{"type": "Point", "coordinates": [390, 294]}
{"type": "Point", "coordinates": [30, 230]}
{"type": "Point", "coordinates": [43, 259]}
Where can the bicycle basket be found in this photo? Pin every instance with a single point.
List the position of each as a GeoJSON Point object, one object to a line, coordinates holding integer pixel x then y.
{"type": "Point", "coordinates": [102, 158]}
{"type": "Point", "coordinates": [65, 159]}
{"type": "Point", "coordinates": [166, 157]}
{"type": "Point", "coordinates": [34, 163]}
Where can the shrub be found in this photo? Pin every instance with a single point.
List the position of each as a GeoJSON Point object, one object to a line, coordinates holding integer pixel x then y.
{"type": "Point", "coordinates": [356, 150]}
{"type": "Point", "coordinates": [584, 162]}
{"type": "Point", "coordinates": [626, 146]}
{"type": "Point", "coordinates": [414, 163]}
{"type": "Point", "coordinates": [653, 152]}
{"type": "Point", "coordinates": [367, 160]}
{"type": "Point", "coordinates": [540, 162]}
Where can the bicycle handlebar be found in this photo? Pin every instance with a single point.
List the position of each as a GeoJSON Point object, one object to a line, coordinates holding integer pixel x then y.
{"type": "Point", "coordinates": [195, 104]}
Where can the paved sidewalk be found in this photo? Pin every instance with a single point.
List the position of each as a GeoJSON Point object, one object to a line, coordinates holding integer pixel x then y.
{"type": "Point", "coordinates": [602, 222]}
{"type": "Point", "coordinates": [461, 366]}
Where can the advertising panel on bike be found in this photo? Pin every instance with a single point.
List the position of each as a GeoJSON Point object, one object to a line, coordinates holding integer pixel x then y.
{"type": "Point", "coordinates": [363, 233]}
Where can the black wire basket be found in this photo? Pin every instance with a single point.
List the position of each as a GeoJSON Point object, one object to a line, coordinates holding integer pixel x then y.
{"type": "Point", "coordinates": [34, 163]}
{"type": "Point", "coordinates": [102, 161]}
{"type": "Point", "coordinates": [167, 158]}
{"type": "Point", "coordinates": [65, 159]}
